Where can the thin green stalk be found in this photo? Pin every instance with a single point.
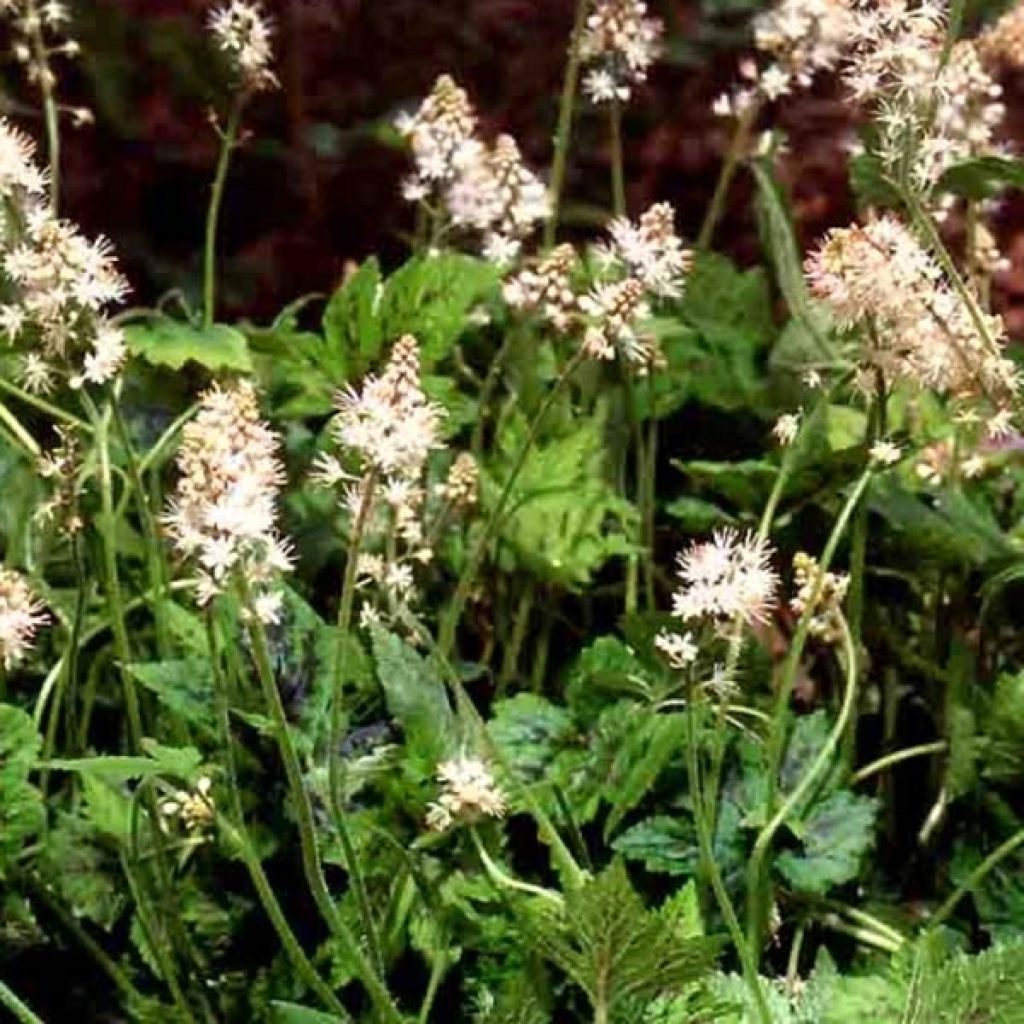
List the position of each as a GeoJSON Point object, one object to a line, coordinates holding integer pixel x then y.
{"type": "Point", "coordinates": [228, 142]}
{"type": "Point", "coordinates": [312, 867]}
{"type": "Point", "coordinates": [990, 863]}
{"type": "Point", "coordinates": [503, 880]}
{"type": "Point", "coordinates": [756, 876]}
{"type": "Point", "coordinates": [19, 434]}
{"type": "Point", "coordinates": [563, 133]}
{"type": "Point", "coordinates": [865, 936]}
{"type": "Point", "coordinates": [709, 867]}
{"type": "Point", "coordinates": [21, 1012]}
{"type": "Point", "coordinates": [51, 115]}
{"type": "Point", "coordinates": [237, 835]}
{"type": "Point", "coordinates": [438, 969]}
{"type": "Point", "coordinates": [648, 496]}
{"type": "Point", "coordinates": [618, 159]}
{"type": "Point", "coordinates": [450, 621]}
{"type": "Point", "coordinates": [107, 524]}
{"type": "Point", "coordinates": [38, 892]}
{"type": "Point", "coordinates": [41, 405]}
{"type": "Point", "coordinates": [156, 561]}
{"type": "Point", "coordinates": [733, 156]}
{"type": "Point", "coordinates": [336, 781]}
{"type": "Point", "coordinates": [520, 627]}
{"type": "Point", "coordinates": [897, 757]}
{"type": "Point", "coordinates": [790, 665]}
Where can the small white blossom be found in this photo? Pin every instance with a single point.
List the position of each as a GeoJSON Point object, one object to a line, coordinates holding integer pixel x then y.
{"type": "Point", "coordinates": [468, 793]}
{"type": "Point", "coordinates": [21, 615]}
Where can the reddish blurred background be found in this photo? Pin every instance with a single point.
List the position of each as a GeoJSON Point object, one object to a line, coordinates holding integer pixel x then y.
{"type": "Point", "coordinates": [318, 183]}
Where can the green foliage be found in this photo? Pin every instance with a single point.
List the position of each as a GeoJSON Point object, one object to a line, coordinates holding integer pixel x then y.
{"type": "Point", "coordinates": [172, 343]}
{"type": "Point", "coordinates": [618, 952]}
{"type": "Point", "coordinates": [21, 808]}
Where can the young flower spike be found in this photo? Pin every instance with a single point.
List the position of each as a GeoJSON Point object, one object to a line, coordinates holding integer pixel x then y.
{"type": "Point", "coordinates": [21, 615]}
{"type": "Point", "coordinates": [651, 251]}
{"type": "Point", "coordinates": [224, 511]}
{"type": "Point", "coordinates": [620, 43]}
{"type": "Point", "coordinates": [243, 33]}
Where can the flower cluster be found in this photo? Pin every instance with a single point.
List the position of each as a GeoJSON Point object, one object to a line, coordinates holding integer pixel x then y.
{"type": "Point", "coordinates": [461, 488]}
{"type": "Point", "coordinates": [620, 43]}
{"type": "Point", "coordinates": [388, 428]}
{"type": "Point", "coordinates": [547, 289]}
{"type": "Point", "coordinates": [650, 251]}
{"type": "Point", "coordinates": [484, 189]}
{"type": "Point", "coordinates": [59, 466]}
{"type": "Point", "coordinates": [819, 595]}
{"type": "Point", "coordinates": [916, 327]}
{"type": "Point", "coordinates": [242, 32]}
{"type": "Point", "coordinates": [195, 810]}
{"type": "Point", "coordinates": [727, 578]}
{"type": "Point", "coordinates": [224, 512]}
{"type": "Point", "coordinates": [21, 615]}
{"type": "Point", "coordinates": [801, 38]}
{"type": "Point", "coordinates": [59, 282]}
{"type": "Point", "coordinates": [929, 115]}
{"type": "Point", "coordinates": [1002, 43]}
{"type": "Point", "coordinates": [468, 793]}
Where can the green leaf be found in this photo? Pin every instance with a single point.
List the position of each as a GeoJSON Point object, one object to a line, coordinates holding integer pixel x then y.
{"type": "Point", "coordinates": [697, 516]}
{"type": "Point", "coordinates": [869, 183]}
{"type": "Point", "coordinates": [21, 809]}
{"type": "Point", "coordinates": [353, 333]}
{"type": "Point", "coordinates": [564, 519]}
{"type": "Point", "coordinates": [663, 845]}
{"type": "Point", "coordinates": [171, 343]}
{"type": "Point", "coordinates": [174, 762]}
{"type": "Point", "coordinates": [184, 686]}
{"type": "Point", "coordinates": [718, 293]}
{"type": "Point", "coordinates": [612, 947]}
{"type": "Point", "coordinates": [836, 835]}
{"type": "Point", "coordinates": [293, 1013]}
{"type": "Point", "coordinates": [108, 809]}
{"type": "Point", "coordinates": [746, 484]}
{"type": "Point", "coordinates": [529, 731]}
{"type": "Point", "coordinates": [415, 696]}
{"type": "Point", "coordinates": [431, 297]}
{"type": "Point", "coordinates": [983, 177]}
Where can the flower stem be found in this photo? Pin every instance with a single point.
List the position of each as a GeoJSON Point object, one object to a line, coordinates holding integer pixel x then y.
{"type": "Point", "coordinates": [20, 1011]}
{"type": "Point", "coordinates": [811, 777]}
{"type": "Point", "coordinates": [896, 757]}
{"type": "Point", "coordinates": [710, 868]}
{"type": "Point", "coordinates": [450, 621]}
{"type": "Point", "coordinates": [990, 863]}
{"type": "Point", "coordinates": [364, 969]}
{"type": "Point", "coordinates": [51, 115]}
{"type": "Point", "coordinates": [563, 133]}
{"type": "Point", "coordinates": [238, 836]}
{"type": "Point", "coordinates": [617, 158]}
{"type": "Point", "coordinates": [228, 142]}
{"type": "Point", "coordinates": [335, 775]}
{"type": "Point", "coordinates": [733, 156]}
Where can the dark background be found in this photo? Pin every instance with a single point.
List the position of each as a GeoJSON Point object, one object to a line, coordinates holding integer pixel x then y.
{"type": "Point", "coordinates": [317, 184]}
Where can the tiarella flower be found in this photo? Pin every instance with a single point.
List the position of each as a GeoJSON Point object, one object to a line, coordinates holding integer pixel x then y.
{"type": "Point", "coordinates": [914, 326]}
{"type": "Point", "coordinates": [195, 810]}
{"type": "Point", "coordinates": [679, 649]}
{"type": "Point", "coordinates": [885, 453]}
{"type": "Point", "coordinates": [21, 615]}
{"type": "Point", "coordinates": [1002, 43]}
{"type": "Point", "coordinates": [486, 190]}
{"type": "Point", "coordinates": [59, 467]}
{"type": "Point", "coordinates": [224, 513]}
{"type": "Point", "coordinates": [819, 595]}
{"type": "Point", "coordinates": [243, 32]}
{"type": "Point", "coordinates": [728, 577]}
{"type": "Point", "coordinates": [802, 37]}
{"type": "Point", "coordinates": [787, 427]}
{"type": "Point", "coordinates": [546, 289]}
{"type": "Point", "coordinates": [468, 793]}
{"type": "Point", "coordinates": [389, 423]}
{"type": "Point", "coordinates": [927, 113]}
{"type": "Point", "coordinates": [20, 176]}
{"type": "Point", "coordinates": [615, 313]}
{"type": "Point", "coordinates": [651, 251]}
{"type": "Point", "coordinates": [461, 489]}
{"type": "Point", "coordinates": [620, 43]}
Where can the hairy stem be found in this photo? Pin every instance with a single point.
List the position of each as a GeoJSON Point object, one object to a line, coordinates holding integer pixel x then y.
{"type": "Point", "coordinates": [228, 143]}
{"type": "Point", "coordinates": [563, 133]}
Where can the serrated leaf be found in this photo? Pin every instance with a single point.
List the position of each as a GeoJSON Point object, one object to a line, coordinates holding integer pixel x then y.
{"type": "Point", "coordinates": [172, 343]}
{"type": "Point", "coordinates": [529, 731]}
{"type": "Point", "coordinates": [662, 844]}
{"type": "Point", "coordinates": [835, 835]}
{"type": "Point", "coordinates": [184, 686]}
{"type": "Point", "coordinates": [353, 333]}
{"type": "Point", "coordinates": [415, 697]}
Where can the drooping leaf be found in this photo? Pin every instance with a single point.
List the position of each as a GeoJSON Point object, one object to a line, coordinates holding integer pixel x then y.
{"type": "Point", "coordinates": [172, 343]}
